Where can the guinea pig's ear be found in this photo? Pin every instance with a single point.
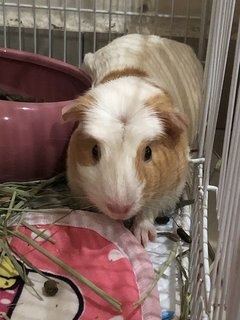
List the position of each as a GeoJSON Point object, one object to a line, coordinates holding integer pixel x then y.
{"type": "Point", "coordinates": [174, 122]}
{"type": "Point", "coordinates": [76, 110]}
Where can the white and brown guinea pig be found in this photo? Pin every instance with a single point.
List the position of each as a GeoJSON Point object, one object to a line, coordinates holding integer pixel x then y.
{"type": "Point", "coordinates": [129, 154]}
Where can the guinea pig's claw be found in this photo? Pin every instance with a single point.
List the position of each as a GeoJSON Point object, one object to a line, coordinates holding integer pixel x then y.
{"type": "Point", "coordinates": [144, 231]}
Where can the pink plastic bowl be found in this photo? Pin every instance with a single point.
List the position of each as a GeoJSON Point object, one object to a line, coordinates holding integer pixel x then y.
{"type": "Point", "coordinates": [33, 137]}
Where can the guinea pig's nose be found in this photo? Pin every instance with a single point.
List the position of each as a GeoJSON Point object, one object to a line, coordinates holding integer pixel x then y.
{"type": "Point", "coordinates": [117, 208]}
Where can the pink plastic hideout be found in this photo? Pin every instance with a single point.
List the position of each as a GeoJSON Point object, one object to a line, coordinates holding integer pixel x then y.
{"type": "Point", "coordinates": [33, 137]}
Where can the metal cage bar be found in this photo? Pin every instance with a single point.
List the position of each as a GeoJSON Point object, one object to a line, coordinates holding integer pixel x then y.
{"type": "Point", "coordinates": [88, 10]}
{"type": "Point", "coordinates": [4, 25]}
{"type": "Point", "coordinates": [80, 49]}
{"type": "Point", "coordinates": [229, 208]}
{"type": "Point", "coordinates": [82, 18]}
{"type": "Point", "coordinates": [34, 29]}
{"type": "Point", "coordinates": [49, 30]}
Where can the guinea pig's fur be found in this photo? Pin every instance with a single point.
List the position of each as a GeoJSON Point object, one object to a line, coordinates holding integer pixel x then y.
{"type": "Point", "coordinates": [129, 154]}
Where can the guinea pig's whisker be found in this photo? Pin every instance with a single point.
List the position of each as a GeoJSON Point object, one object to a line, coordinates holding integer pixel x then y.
{"type": "Point", "coordinates": [78, 197]}
{"type": "Point", "coordinates": [86, 208]}
{"type": "Point", "coordinates": [151, 207]}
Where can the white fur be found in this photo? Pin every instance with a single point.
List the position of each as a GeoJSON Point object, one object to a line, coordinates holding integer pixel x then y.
{"type": "Point", "coordinates": [120, 101]}
{"type": "Point", "coordinates": [120, 121]}
{"type": "Point", "coordinates": [143, 225]}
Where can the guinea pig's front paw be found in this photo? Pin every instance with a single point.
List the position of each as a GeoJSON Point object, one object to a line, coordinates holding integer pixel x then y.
{"type": "Point", "coordinates": [144, 230]}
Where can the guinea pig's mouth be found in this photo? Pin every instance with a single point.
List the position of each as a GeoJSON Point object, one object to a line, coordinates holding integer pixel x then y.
{"type": "Point", "coordinates": [119, 212]}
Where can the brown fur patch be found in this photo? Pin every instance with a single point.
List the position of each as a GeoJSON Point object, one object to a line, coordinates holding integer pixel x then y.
{"type": "Point", "coordinates": [167, 168]}
{"type": "Point", "coordinates": [80, 149]}
{"type": "Point", "coordinates": [174, 121]}
{"type": "Point", "coordinates": [161, 102]}
{"type": "Point", "coordinates": [77, 110]}
{"type": "Point", "coordinates": [126, 72]}
{"type": "Point", "coordinates": [169, 164]}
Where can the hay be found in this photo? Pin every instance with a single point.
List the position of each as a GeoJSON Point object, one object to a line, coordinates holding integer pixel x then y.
{"type": "Point", "coordinates": [36, 196]}
{"type": "Point", "coordinates": [44, 195]}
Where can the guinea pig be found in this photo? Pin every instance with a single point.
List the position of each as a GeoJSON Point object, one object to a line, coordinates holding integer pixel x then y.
{"type": "Point", "coordinates": [129, 154]}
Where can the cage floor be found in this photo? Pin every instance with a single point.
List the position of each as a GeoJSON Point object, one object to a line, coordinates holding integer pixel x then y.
{"type": "Point", "coordinates": [169, 285]}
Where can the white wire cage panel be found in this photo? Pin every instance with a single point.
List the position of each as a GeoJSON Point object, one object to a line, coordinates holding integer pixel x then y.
{"type": "Point", "coordinates": [67, 29]}
{"type": "Point", "coordinates": [223, 302]}
{"type": "Point", "coordinates": [212, 292]}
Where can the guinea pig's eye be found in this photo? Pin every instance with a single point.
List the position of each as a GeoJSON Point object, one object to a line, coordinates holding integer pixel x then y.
{"type": "Point", "coordinates": [147, 153]}
{"type": "Point", "coordinates": [96, 152]}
